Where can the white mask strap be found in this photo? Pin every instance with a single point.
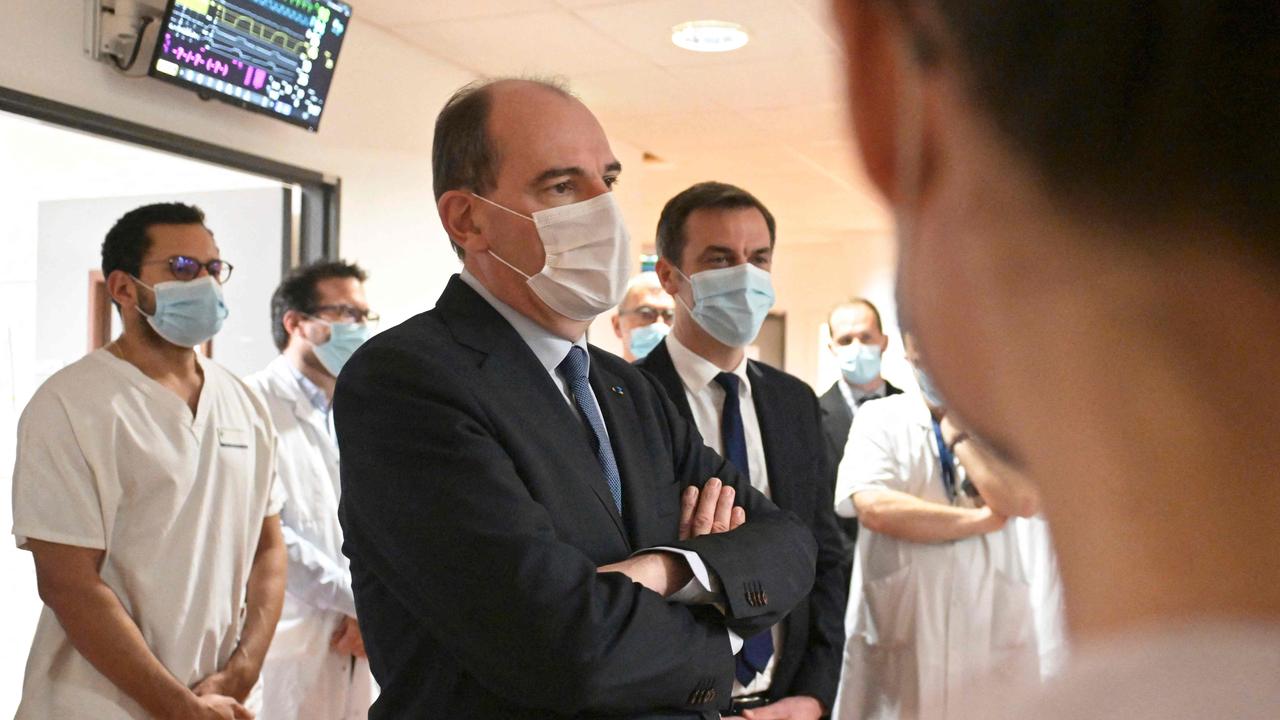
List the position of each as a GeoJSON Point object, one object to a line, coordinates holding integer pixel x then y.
{"type": "Point", "coordinates": [502, 207]}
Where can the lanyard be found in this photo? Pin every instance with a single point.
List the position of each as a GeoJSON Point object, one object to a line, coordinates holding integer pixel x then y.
{"type": "Point", "coordinates": [948, 463]}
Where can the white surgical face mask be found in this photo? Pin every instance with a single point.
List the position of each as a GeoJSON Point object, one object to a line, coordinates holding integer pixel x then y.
{"type": "Point", "coordinates": [730, 303]}
{"type": "Point", "coordinates": [588, 256]}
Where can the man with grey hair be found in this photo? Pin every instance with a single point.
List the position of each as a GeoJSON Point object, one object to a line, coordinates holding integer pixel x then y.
{"type": "Point", "coordinates": [644, 316]}
{"type": "Point", "coordinates": [534, 531]}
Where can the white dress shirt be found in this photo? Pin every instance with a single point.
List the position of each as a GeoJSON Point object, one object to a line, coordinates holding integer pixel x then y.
{"type": "Point", "coordinates": [706, 399]}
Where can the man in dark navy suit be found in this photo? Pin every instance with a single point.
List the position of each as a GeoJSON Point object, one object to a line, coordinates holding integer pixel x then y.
{"type": "Point", "coordinates": [715, 245]}
{"type": "Point", "coordinates": [534, 531]}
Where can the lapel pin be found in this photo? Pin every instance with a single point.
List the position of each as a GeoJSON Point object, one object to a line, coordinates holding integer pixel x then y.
{"type": "Point", "coordinates": [618, 389]}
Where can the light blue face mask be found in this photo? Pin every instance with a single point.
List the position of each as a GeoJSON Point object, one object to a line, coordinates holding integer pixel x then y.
{"type": "Point", "coordinates": [344, 338]}
{"type": "Point", "coordinates": [188, 312]}
{"type": "Point", "coordinates": [731, 303]}
{"type": "Point", "coordinates": [928, 389]}
{"type": "Point", "coordinates": [645, 338]}
{"type": "Point", "coordinates": [859, 364]}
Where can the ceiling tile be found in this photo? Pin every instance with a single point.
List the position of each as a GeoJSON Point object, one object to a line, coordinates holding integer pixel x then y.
{"type": "Point", "coordinates": [797, 82]}
{"type": "Point", "coordinates": [641, 91]}
{"type": "Point", "coordinates": [393, 13]}
{"type": "Point", "coordinates": [541, 43]}
{"type": "Point", "coordinates": [777, 29]}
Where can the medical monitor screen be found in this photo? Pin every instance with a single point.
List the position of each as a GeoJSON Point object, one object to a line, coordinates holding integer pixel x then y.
{"type": "Point", "coordinates": [273, 56]}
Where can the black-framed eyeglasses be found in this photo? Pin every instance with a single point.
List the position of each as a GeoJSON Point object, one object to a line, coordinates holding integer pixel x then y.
{"type": "Point", "coordinates": [185, 267]}
{"type": "Point", "coordinates": [347, 313]}
{"type": "Point", "coordinates": [651, 314]}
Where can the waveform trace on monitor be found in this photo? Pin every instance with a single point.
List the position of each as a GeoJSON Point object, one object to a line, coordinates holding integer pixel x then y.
{"type": "Point", "coordinates": [275, 56]}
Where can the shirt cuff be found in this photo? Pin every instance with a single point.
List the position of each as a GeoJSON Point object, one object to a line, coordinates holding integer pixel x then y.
{"type": "Point", "coordinates": [703, 588]}
{"type": "Point", "coordinates": [735, 642]}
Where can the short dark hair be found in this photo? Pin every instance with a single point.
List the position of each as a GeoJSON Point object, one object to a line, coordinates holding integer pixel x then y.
{"type": "Point", "coordinates": [704, 195]}
{"type": "Point", "coordinates": [297, 291]}
{"type": "Point", "coordinates": [875, 312]}
{"type": "Point", "coordinates": [1152, 113]}
{"type": "Point", "coordinates": [127, 241]}
{"type": "Point", "coordinates": [463, 155]}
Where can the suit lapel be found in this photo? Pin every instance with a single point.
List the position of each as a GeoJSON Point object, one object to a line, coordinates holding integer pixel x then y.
{"type": "Point", "coordinates": [516, 376]}
{"type": "Point", "coordinates": [663, 369]}
{"type": "Point", "coordinates": [768, 406]}
{"type": "Point", "coordinates": [625, 435]}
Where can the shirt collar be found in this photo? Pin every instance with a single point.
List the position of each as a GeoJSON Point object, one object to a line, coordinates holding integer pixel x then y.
{"type": "Point", "coordinates": [318, 399]}
{"type": "Point", "coordinates": [854, 397]}
{"type": "Point", "coordinates": [549, 348]}
{"type": "Point", "coordinates": [696, 372]}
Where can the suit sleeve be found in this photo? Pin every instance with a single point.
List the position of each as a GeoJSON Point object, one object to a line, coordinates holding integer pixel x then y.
{"type": "Point", "coordinates": [435, 510]}
{"type": "Point", "coordinates": [819, 672]}
{"type": "Point", "coordinates": [766, 566]}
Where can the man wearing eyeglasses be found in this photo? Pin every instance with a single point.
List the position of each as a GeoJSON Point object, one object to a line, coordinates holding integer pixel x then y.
{"type": "Point", "coordinates": [144, 490]}
{"type": "Point", "coordinates": [644, 316]}
{"type": "Point", "coordinates": [317, 667]}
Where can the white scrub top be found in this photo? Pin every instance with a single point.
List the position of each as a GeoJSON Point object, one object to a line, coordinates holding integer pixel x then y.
{"type": "Point", "coordinates": [109, 459]}
{"type": "Point", "coordinates": [302, 678]}
{"type": "Point", "coordinates": [926, 622]}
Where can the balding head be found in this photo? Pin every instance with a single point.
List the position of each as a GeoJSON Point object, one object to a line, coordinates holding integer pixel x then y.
{"type": "Point", "coordinates": [464, 153]}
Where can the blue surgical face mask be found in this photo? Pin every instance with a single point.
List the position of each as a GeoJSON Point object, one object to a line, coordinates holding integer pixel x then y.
{"type": "Point", "coordinates": [344, 338]}
{"type": "Point", "coordinates": [928, 389]}
{"type": "Point", "coordinates": [859, 363]}
{"type": "Point", "coordinates": [731, 303]}
{"type": "Point", "coordinates": [645, 338]}
{"type": "Point", "coordinates": [187, 313]}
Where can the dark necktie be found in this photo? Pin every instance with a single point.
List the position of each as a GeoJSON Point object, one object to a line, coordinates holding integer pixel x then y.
{"type": "Point", "coordinates": [756, 651]}
{"type": "Point", "coordinates": [574, 370]}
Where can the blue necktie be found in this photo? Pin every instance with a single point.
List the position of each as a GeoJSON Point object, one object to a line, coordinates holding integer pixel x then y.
{"type": "Point", "coordinates": [756, 651]}
{"type": "Point", "coordinates": [574, 370]}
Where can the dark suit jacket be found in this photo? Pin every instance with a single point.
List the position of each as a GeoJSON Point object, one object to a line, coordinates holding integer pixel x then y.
{"type": "Point", "coordinates": [837, 419]}
{"type": "Point", "coordinates": [799, 481]}
{"type": "Point", "coordinates": [475, 515]}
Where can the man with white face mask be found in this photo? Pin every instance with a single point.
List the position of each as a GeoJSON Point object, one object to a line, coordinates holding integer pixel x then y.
{"type": "Point", "coordinates": [644, 316]}
{"type": "Point", "coordinates": [858, 342]}
{"type": "Point", "coordinates": [316, 667]}
{"type": "Point", "coordinates": [534, 531]}
{"type": "Point", "coordinates": [715, 246]}
{"type": "Point", "coordinates": [940, 596]}
{"type": "Point", "coordinates": [1086, 190]}
{"type": "Point", "coordinates": [144, 489]}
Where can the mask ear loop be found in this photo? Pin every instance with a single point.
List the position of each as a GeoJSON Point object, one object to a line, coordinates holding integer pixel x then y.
{"type": "Point", "coordinates": [494, 255]}
{"type": "Point", "coordinates": [688, 281]}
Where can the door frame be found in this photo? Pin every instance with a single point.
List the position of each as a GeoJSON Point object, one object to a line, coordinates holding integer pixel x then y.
{"type": "Point", "coordinates": [318, 231]}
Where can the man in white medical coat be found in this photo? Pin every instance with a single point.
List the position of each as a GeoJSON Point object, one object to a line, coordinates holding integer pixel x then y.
{"type": "Point", "coordinates": [316, 668]}
{"type": "Point", "coordinates": [940, 598]}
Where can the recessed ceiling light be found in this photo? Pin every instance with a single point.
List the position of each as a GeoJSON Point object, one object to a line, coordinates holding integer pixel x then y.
{"type": "Point", "coordinates": [709, 36]}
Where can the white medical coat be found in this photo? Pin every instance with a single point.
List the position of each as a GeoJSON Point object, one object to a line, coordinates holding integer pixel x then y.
{"type": "Point", "coordinates": [302, 677]}
{"type": "Point", "coordinates": [927, 622]}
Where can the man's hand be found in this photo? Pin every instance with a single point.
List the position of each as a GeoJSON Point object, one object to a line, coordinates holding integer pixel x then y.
{"type": "Point", "coordinates": [661, 572]}
{"type": "Point", "coordinates": [235, 680]}
{"type": "Point", "coordinates": [709, 511]}
{"type": "Point", "coordinates": [799, 707]}
{"type": "Point", "coordinates": [346, 640]}
{"type": "Point", "coordinates": [217, 707]}
{"type": "Point", "coordinates": [701, 513]}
